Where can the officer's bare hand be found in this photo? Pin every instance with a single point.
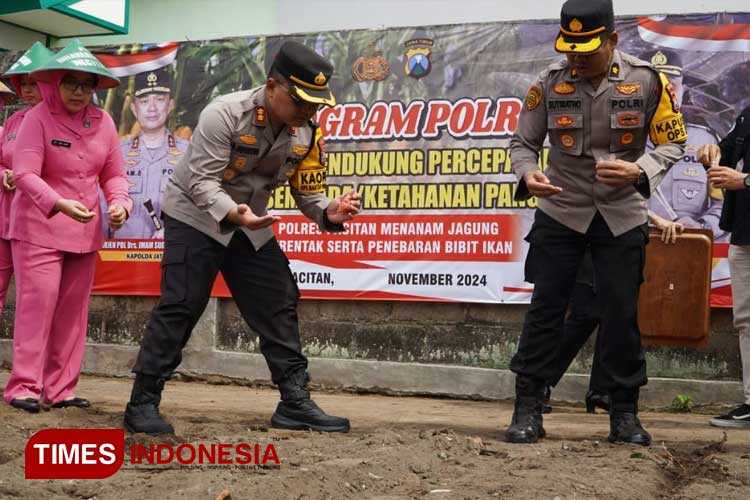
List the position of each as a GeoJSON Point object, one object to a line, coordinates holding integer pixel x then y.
{"type": "Point", "coordinates": [617, 172]}
{"type": "Point", "coordinates": [709, 155]}
{"type": "Point", "coordinates": [726, 178]}
{"type": "Point", "coordinates": [689, 222]}
{"type": "Point", "coordinates": [117, 216]}
{"type": "Point", "coordinates": [74, 209]}
{"type": "Point", "coordinates": [344, 207]}
{"type": "Point", "coordinates": [241, 215]}
{"type": "Point", "coordinates": [669, 230]}
{"type": "Point", "coordinates": [9, 182]}
{"type": "Point", "coordinates": [539, 185]}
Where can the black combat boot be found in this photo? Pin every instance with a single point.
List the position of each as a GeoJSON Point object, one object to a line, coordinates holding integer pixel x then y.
{"type": "Point", "coordinates": [297, 411]}
{"type": "Point", "coordinates": [526, 426]}
{"type": "Point", "coordinates": [624, 425]}
{"type": "Point", "coordinates": [142, 412]}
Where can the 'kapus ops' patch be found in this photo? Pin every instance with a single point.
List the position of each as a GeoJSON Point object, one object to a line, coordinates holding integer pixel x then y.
{"type": "Point", "coordinates": [667, 125]}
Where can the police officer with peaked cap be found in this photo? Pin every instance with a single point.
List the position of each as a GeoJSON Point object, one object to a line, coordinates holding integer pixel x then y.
{"type": "Point", "coordinates": [598, 106]}
{"type": "Point", "coordinates": [150, 155]}
{"type": "Point", "coordinates": [246, 145]}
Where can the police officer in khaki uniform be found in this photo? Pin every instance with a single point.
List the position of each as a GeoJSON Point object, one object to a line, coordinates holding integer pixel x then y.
{"type": "Point", "coordinates": [598, 106]}
{"type": "Point", "coordinates": [245, 145]}
{"type": "Point", "coordinates": [151, 155]}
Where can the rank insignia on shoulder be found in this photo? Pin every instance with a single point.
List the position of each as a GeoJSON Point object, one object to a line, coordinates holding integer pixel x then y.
{"type": "Point", "coordinates": [300, 150]}
{"type": "Point", "coordinates": [564, 88]}
{"type": "Point", "coordinates": [260, 115]}
{"type": "Point", "coordinates": [614, 70]}
{"type": "Point", "coordinates": [533, 98]}
{"type": "Point", "coordinates": [248, 139]}
{"type": "Point", "coordinates": [628, 88]}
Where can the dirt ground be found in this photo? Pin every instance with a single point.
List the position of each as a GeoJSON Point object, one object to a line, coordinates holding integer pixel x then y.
{"type": "Point", "coordinates": [399, 448]}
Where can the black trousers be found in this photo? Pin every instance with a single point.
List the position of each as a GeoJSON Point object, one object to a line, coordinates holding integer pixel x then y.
{"type": "Point", "coordinates": [261, 284]}
{"type": "Point", "coordinates": [555, 253]}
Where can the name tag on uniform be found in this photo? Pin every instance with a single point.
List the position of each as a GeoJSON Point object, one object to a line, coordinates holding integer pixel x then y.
{"type": "Point", "coordinates": [245, 150]}
{"type": "Point", "coordinates": [58, 142]}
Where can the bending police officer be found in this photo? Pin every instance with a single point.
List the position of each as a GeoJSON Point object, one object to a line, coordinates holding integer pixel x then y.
{"type": "Point", "coordinates": [246, 144]}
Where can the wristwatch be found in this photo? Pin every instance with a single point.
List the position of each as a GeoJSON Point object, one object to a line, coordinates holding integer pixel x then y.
{"type": "Point", "coordinates": [746, 181]}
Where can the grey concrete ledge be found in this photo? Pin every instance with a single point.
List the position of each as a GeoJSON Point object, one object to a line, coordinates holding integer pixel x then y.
{"type": "Point", "coordinates": [395, 378]}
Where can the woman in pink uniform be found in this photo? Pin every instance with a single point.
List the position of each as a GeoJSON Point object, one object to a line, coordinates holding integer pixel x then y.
{"type": "Point", "coordinates": [66, 149]}
{"type": "Point", "coordinates": [28, 91]}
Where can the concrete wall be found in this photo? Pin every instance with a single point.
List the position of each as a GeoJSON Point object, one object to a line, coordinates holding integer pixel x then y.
{"type": "Point", "coordinates": [396, 347]}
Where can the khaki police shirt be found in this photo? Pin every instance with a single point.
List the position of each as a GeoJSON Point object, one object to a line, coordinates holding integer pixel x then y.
{"type": "Point", "coordinates": [634, 102]}
{"type": "Point", "coordinates": [233, 158]}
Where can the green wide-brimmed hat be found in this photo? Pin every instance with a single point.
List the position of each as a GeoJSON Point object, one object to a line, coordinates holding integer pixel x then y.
{"type": "Point", "coordinates": [76, 57]}
{"type": "Point", "coordinates": [31, 60]}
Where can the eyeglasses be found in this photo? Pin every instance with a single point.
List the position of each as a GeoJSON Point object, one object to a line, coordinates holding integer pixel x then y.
{"type": "Point", "coordinates": [300, 103]}
{"type": "Point", "coordinates": [72, 85]}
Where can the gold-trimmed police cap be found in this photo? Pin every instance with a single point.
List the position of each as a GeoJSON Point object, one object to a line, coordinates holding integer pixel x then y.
{"type": "Point", "coordinates": [667, 61]}
{"type": "Point", "coordinates": [306, 71]}
{"type": "Point", "coordinates": [156, 81]}
{"type": "Point", "coordinates": [584, 26]}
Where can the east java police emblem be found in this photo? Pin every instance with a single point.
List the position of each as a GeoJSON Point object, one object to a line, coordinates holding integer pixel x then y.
{"type": "Point", "coordinates": [371, 65]}
{"type": "Point", "coordinates": [418, 64]}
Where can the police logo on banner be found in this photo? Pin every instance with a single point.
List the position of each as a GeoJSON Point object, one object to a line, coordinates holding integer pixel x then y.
{"type": "Point", "coordinates": [370, 66]}
{"type": "Point", "coordinates": [418, 64]}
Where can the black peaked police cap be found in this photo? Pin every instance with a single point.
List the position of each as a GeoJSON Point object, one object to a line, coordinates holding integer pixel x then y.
{"type": "Point", "coordinates": [158, 81]}
{"type": "Point", "coordinates": [306, 71]}
{"type": "Point", "coordinates": [584, 25]}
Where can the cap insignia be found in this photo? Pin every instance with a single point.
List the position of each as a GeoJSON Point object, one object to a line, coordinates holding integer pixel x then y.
{"type": "Point", "coordinates": [575, 25]}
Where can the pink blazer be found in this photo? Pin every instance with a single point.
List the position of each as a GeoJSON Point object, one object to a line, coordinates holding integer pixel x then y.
{"type": "Point", "coordinates": [53, 161]}
{"type": "Point", "coordinates": [7, 143]}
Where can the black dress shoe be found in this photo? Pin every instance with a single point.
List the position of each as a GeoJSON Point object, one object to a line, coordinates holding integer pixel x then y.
{"type": "Point", "coordinates": [30, 405]}
{"type": "Point", "coordinates": [596, 400]}
{"type": "Point", "coordinates": [75, 402]}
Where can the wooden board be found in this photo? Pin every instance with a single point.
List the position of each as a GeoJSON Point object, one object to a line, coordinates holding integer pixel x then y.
{"type": "Point", "coordinates": [674, 300]}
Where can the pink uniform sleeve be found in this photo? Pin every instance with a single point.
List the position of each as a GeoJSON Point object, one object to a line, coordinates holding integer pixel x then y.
{"type": "Point", "coordinates": [28, 159]}
{"type": "Point", "coordinates": [112, 178]}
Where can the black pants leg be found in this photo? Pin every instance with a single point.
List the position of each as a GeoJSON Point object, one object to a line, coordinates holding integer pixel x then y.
{"type": "Point", "coordinates": [618, 273]}
{"type": "Point", "coordinates": [580, 323]}
{"type": "Point", "coordinates": [189, 266]}
{"type": "Point", "coordinates": [555, 253]}
{"type": "Point", "coordinates": [267, 295]}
